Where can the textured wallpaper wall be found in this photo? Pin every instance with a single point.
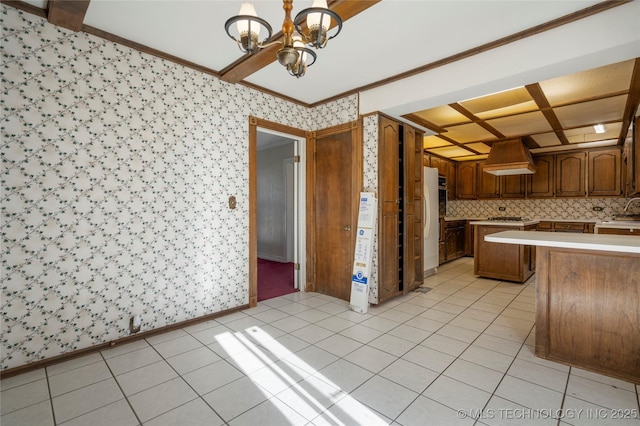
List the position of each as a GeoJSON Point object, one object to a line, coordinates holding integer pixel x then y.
{"type": "Point", "coordinates": [370, 183]}
{"type": "Point", "coordinates": [116, 170]}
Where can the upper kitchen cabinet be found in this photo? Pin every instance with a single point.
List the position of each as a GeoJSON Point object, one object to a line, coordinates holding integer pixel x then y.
{"type": "Point", "coordinates": [571, 174]}
{"type": "Point", "coordinates": [440, 164]}
{"type": "Point", "coordinates": [492, 187]}
{"type": "Point", "coordinates": [488, 185]}
{"type": "Point", "coordinates": [513, 186]}
{"type": "Point", "coordinates": [605, 173]}
{"type": "Point", "coordinates": [466, 188]}
{"type": "Point", "coordinates": [541, 184]}
{"type": "Point", "coordinates": [447, 169]}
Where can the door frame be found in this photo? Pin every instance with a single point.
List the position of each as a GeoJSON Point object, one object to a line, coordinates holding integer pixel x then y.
{"type": "Point", "coordinates": [301, 139]}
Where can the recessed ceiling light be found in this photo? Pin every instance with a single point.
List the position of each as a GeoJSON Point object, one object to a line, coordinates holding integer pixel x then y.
{"type": "Point", "coordinates": [599, 128]}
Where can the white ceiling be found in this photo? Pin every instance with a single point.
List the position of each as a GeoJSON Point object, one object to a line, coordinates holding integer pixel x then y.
{"type": "Point", "coordinates": [389, 38]}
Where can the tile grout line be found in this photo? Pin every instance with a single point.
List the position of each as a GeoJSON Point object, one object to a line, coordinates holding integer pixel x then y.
{"type": "Point", "coordinates": [53, 412]}
{"type": "Point", "coordinates": [186, 382]}
{"type": "Point", "coordinates": [458, 357]}
{"type": "Point", "coordinates": [564, 395]}
{"type": "Point", "coordinates": [121, 390]}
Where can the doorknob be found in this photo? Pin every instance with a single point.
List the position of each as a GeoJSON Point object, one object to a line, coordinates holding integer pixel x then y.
{"type": "Point", "coordinates": [347, 228]}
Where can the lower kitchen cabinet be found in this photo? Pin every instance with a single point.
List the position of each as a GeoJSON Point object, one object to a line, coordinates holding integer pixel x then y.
{"type": "Point", "coordinates": [575, 227]}
{"type": "Point", "coordinates": [509, 262]}
{"type": "Point", "coordinates": [619, 231]}
{"type": "Point", "coordinates": [469, 232]}
{"type": "Point", "coordinates": [454, 239]}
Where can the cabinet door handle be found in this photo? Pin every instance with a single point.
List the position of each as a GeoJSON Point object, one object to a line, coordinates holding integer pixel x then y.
{"type": "Point", "coordinates": [347, 228]}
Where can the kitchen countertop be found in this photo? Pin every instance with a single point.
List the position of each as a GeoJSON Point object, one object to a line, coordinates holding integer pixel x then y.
{"type": "Point", "coordinates": [615, 243]}
{"type": "Point", "coordinates": [453, 218]}
{"type": "Point", "coordinates": [618, 224]}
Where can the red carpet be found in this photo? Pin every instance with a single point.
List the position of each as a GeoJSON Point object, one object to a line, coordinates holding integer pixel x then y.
{"type": "Point", "coordinates": [274, 279]}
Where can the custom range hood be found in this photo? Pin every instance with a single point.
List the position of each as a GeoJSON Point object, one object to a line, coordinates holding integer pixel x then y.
{"type": "Point", "coordinates": [509, 157]}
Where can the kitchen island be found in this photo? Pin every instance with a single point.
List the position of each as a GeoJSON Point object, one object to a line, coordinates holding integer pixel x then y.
{"type": "Point", "coordinates": [510, 262]}
{"type": "Point", "coordinates": [587, 299]}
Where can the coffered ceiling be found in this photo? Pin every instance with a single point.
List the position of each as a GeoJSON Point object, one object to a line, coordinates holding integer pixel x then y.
{"type": "Point", "coordinates": [555, 114]}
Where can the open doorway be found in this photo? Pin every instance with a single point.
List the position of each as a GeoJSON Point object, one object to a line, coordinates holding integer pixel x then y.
{"type": "Point", "coordinates": [277, 214]}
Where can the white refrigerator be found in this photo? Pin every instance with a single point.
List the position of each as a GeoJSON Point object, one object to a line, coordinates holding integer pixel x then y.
{"type": "Point", "coordinates": [431, 221]}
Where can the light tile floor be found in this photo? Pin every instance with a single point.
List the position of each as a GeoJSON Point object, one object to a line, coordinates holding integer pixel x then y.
{"type": "Point", "coordinates": [460, 354]}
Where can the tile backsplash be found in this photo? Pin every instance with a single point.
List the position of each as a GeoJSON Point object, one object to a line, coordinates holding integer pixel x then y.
{"type": "Point", "coordinates": [557, 208]}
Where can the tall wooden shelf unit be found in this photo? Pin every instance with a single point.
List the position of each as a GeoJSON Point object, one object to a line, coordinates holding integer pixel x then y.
{"type": "Point", "coordinates": [400, 209]}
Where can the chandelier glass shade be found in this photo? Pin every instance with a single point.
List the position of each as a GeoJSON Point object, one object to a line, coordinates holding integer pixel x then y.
{"type": "Point", "coordinates": [309, 28]}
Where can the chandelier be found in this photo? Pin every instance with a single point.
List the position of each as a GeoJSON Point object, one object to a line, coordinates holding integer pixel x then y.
{"type": "Point", "coordinates": [309, 28]}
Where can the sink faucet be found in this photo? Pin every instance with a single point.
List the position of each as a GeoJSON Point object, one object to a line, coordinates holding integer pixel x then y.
{"type": "Point", "coordinates": [629, 203]}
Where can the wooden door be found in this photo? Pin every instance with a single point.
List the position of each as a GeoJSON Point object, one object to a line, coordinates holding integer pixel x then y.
{"type": "Point", "coordinates": [389, 244]}
{"type": "Point", "coordinates": [571, 174]}
{"type": "Point", "coordinates": [337, 183]}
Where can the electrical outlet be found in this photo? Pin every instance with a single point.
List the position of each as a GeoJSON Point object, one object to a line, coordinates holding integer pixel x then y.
{"type": "Point", "coordinates": [502, 209]}
{"type": "Point", "coordinates": [598, 208]}
{"type": "Point", "coordinates": [135, 322]}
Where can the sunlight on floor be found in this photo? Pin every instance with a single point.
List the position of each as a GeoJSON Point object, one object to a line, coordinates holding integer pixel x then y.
{"type": "Point", "coordinates": [311, 397]}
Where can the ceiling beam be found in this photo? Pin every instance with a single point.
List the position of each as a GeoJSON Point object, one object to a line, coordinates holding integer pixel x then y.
{"type": "Point", "coordinates": [249, 64]}
{"type": "Point", "coordinates": [476, 120]}
{"type": "Point", "coordinates": [543, 104]}
{"type": "Point", "coordinates": [632, 102]}
{"type": "Point", "coordinates": [67, 13]}
{"type": "Point", "coordinates": [424, 123]}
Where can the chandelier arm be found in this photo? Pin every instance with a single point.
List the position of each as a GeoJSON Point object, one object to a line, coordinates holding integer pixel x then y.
{"type": "Point", "coordinates": [302, 15]}
{"type": "Point", "coordinates": [309, 52]}
{"type": "Point", "coordinates": [273, 43]}
{"type": "Point", "coordinates": [249, 18]}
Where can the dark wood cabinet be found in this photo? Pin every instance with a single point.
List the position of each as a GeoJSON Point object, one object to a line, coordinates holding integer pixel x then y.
{"type": "Point", "coordinates": [413, 205]}
{"type": "Point", "coordinates": [513, 186]}
{"type": "Point", "coordinates": [619, 231]}
{"type": "Point", "coordinates": [493, 187]}
{"type": "Point", "coordinates": [389, 284]}
{"type": "Point", "coordinates": [488, 184]}
{"type": "Point", "coordinates": [545, 226]}
{"type": "Point", "coordinates": [454, 236]}
{"type": "Point", "coordinates": [587, 310]}
{"type": "Point", "coordinates": [605, 172]}
{"type": "Point", "coordinates": [510, 262]}
{"type": "Point", "coordinates": [541, 184]}
{"type": "Point", "coordinates": [441, 164]}
{"type": "Point", "coordinates": [466, 188]}
{"type": "Point", "coordinates": [574, 227]}
{"type": "Point", "coordinates": [447, 169]}
{"type": "Point", "coordinates": [451, 181]}
{"type": "Point", "coordinates": [469, 233]}
{"type": "Point", "coordinates": [571, 174]}
{"type": "Point", "coordinates": [400, 209]}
